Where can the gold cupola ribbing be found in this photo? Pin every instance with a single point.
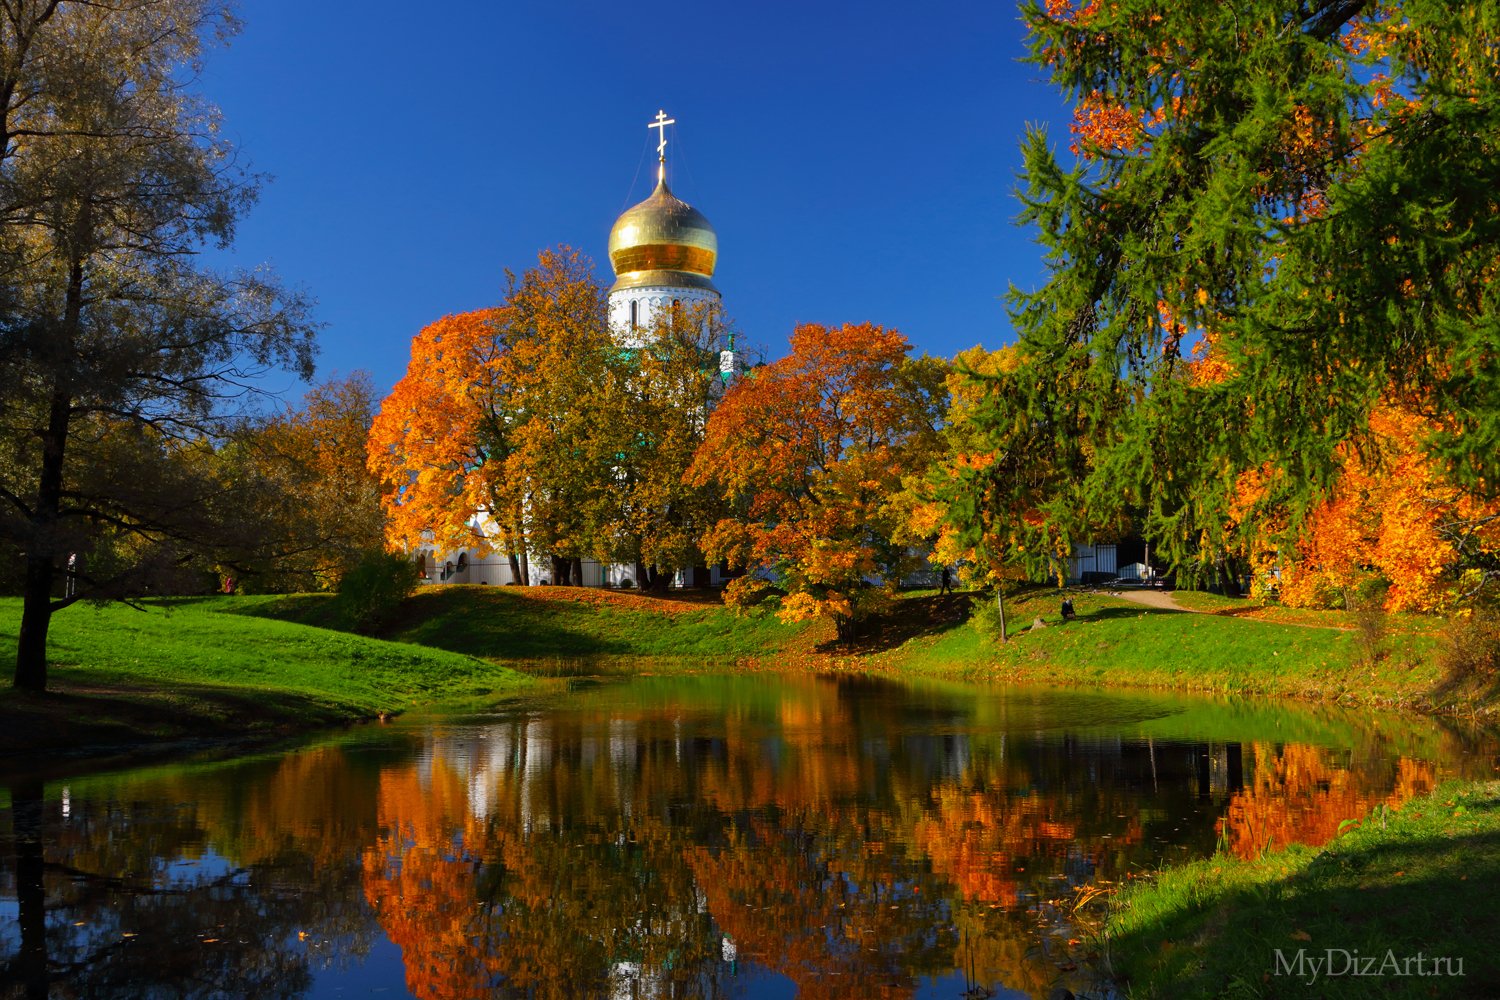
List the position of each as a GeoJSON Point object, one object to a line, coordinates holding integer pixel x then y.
{"type": "Point", "coordinates": [663, 241]}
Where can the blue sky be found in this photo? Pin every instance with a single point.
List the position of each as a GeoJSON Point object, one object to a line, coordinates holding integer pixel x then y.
{"type": "Point", "coordinates": [857, 161]}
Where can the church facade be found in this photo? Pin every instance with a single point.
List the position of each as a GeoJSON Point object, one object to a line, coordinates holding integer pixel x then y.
{"type": "Point", "coordinates": [663, 253]}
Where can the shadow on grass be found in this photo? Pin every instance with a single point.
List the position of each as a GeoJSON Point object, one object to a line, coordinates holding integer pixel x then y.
{"type": "Point", "coordinates": [84, 717]}
{"type": "Point", "coordinates": [497, 623]}
{"type": "Point", "coordinates": [1426, 891]}
{"type": "Point", "coordinates": [910, 618]}
{"type": "Point", "coordinates": [1136, 611]}
{"type": "Point", "coordinates": [486, 623]}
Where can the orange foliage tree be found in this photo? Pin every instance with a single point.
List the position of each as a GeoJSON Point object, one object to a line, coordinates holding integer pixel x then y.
{"type": "Point", "coordinates": [1396, 521]}
{"type": "Point", "coordinates": [498, 435]}
{"type": "Point", "coordinates": [812, 449]}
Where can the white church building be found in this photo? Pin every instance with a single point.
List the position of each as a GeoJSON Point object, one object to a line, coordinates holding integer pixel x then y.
{"type": "Point", "coordinates": [663, 252]}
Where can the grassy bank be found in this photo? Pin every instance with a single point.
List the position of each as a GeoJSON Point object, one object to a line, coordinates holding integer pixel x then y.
{"type": "Point", "coordinates": [1414, 881]}
{"type": "Point", "coordinates": [1229, 647]}
{"type": "Point", "coordinates": [224, 665]}
{"type": "Point", "coordinates": [185, 670]}
{"type": "Point", "coordinates": [539, 623]}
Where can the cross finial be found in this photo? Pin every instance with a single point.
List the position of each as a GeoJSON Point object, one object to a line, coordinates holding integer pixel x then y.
{"type": "Point", "coordinates": [661, 123]}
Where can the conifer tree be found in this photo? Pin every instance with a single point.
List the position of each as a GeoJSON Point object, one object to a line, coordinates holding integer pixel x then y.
{"type": "Point", "coordinates": [1308, 187]}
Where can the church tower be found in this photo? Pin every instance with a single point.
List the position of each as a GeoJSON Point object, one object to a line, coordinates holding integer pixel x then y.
{"type": "Point", "coordinates": [663, 252]}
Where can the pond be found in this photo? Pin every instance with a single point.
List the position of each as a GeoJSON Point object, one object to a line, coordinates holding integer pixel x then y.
{"type": "Point", "coordinates": [756, 835]}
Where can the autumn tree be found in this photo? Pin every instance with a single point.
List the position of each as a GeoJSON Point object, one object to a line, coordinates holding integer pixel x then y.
{"type": "Point", "coordinates": [670, 385]}
{"type": "Point", "coordinates": [439, 442]}
{"type": "Point", "coordinates": [1392, 524]}
{"type": "Point", "coordinates": [988, 502]}
{"type": "Point", "coordinates": [561, 377]}
{"type": "Point", "coordinates": [302, 474]}
{"type": "Point", "coordinates": [494, 437]}
{"type": "Point", "coordinates": [1310, 185]}
{"type": "Point", "coordinates": [120, 356]}
{"type": "Point", "coordinates": [812, 450]}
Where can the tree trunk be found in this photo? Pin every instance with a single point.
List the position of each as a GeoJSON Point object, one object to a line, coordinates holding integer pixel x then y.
{"type": "Point", "coordinates": [36, 608]}
{"type": "Point", "coordinates": [515, 567]}
{"type": "Point", "coordinates": [41, 547]}
{"type": "Point", "coordinates": [36, 615]}
{"type": "Point", "coordinates": [577, 567]}
{"type": "Point", "coordinates": [1000, 602]}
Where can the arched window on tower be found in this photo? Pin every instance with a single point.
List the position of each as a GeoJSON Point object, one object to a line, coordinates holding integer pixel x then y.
{"type": "Point", "coordinates": [676, 312]}
{"type": "Point", "coordinates": [635, 314]}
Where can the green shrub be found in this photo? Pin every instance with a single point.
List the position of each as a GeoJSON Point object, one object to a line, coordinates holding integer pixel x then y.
{"type": "Point", "coordinates": [371, 593]}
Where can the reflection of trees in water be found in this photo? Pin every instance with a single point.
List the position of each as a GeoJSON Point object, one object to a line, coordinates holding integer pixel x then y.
{"type": "Point", "coordinates": [851, 840]}
{"type": "Point", "coordinates": [133, 897]}
{"type": "Point", "coordinates": [844, 848]}
{"type": "Point", "coordinates": [1301, 795]}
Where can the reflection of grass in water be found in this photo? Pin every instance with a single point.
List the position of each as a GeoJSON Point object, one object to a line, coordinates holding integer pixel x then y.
{"type": "Point", "coordinates": [1420, 879]}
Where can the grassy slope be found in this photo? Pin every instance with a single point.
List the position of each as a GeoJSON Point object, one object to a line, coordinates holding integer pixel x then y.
{"type": "Point", "coordinates": [512, 623]}
{"type": "Point", "coordinates": [1420, 879]}
{"type": "Point", "coordinates": [1116, 642]}
{"type": "Point", "coordinates": [185, 669]}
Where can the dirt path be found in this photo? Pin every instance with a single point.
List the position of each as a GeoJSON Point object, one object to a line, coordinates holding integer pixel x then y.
{"type": "Point", "coordinates": [1150, 598]}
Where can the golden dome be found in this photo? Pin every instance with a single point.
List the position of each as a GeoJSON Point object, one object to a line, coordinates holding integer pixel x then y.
{"type": "Point", "coordinates": [663, 241]}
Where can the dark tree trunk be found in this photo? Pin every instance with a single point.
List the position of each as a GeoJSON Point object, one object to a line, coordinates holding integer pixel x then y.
{"type": "Point", "coordinates": [515, 567]}
{"type": "Point", "coordinates": [41, 550]}
{"type": "Point", "coordinates": [41, 547]}
{"type": "Point", "coordinates": [577, 567]}
{"type": "Point", "coordinates": [36, 615]}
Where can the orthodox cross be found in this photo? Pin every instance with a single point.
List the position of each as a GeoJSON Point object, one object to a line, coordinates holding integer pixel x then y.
{"type": "Point", "coordinates": [661, 123]}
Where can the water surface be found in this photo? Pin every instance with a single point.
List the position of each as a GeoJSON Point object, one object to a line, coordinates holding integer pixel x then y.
{"type": "Point", "coordinates": [754, 836]}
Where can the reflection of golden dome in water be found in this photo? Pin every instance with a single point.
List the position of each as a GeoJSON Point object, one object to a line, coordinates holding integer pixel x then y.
{"type": "Point", "coordinates": [663, 241]}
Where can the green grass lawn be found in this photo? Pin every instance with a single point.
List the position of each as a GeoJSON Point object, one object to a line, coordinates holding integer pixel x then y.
{"type": "Point", "coordinates": [1419, 880]}
{"type": "Point", "coordinates": [184, 668]}
{"type": "Point", "coordinates": [1116, 642]}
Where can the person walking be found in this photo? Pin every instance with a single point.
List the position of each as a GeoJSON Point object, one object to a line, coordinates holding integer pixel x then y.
{"type": "Point", "coordinates": [947, 587]}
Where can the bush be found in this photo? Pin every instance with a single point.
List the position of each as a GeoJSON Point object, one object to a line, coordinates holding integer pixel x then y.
{"type": "Point", "coordinates": [370, 593]}
{"type": "Point", "coordinates": [1471, 657]}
